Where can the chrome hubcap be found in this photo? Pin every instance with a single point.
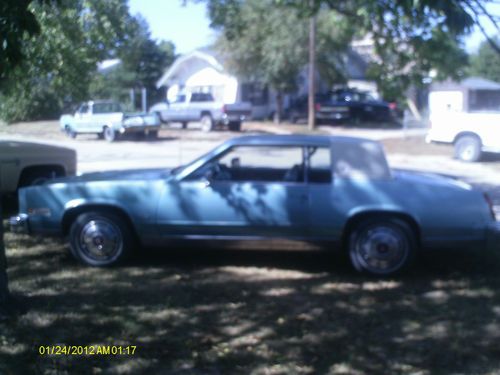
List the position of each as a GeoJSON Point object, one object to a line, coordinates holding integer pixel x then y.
{"type": "Point", "coordinates": [101, 240]}
{"type": "Point", "coordinates": [467, 151]}
{"type": "Point", "coordinates": [382, 249]}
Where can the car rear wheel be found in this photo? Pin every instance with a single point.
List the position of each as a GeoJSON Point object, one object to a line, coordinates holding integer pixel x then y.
{"type": "Point", "coordinates": [100, 239]}
{"type": "Point", "coordinates": [468, 148]}
{"type": "Point", "coordinates": [381, 247]}
{"type": "Point", "coordinates": [109, 134]}
{"type": "Point", "coordinates": [207, 123]}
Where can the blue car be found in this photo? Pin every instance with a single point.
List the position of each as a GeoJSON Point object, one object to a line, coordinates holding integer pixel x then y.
{"type": "Point", "coordinates": [337, 190]}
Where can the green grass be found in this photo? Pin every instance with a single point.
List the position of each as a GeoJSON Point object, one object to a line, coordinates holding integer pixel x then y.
{"type": "Point", "coordinates": [195, 311]}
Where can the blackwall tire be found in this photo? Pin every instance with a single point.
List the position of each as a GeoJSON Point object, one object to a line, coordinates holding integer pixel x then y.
{"type": "Point", "coordinates": [468, 148]}
{"type": "Point", "coordinates": [207, 123]}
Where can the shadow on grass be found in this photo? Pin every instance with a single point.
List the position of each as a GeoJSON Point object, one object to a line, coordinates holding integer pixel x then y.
{"type": "Point", "coordinates": [196, 311]}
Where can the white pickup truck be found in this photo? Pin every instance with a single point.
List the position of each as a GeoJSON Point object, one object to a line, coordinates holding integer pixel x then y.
{"type": "Point", "coordinates": [108, 121]}
{"type": "Point", "coordinates": [471, 133]}
{"type": "Point", "coordinates": [202, 108]}
{"type": "Point", "coordinates": [29, 163]}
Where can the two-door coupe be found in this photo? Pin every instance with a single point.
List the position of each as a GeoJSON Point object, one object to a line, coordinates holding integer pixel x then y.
{"type": "Point", "coordinates": [309, 188]}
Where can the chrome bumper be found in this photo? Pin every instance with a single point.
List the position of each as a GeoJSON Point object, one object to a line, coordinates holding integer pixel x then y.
{"type": "Point", "coordinates": [493, 236]}
{"type": "Point", "coordinates": [19, 223]}
{"type": "Point", "coordinates": [140, 129]}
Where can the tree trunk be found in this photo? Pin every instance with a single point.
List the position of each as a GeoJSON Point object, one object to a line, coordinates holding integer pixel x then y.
{"type": "Point", "coordinates": [4, 281]}
{"type": "Point", "coordinates": [311, 121]}
{"type": "Point", "coordinates": [279, 107]}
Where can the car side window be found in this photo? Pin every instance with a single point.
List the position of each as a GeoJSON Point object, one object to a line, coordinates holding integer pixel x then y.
{"type": "Point", "coordinates": [180, 98]}
{"type": "Point", "coordinates": [200, 97]}
{"type": "Point", "coordinates": [320, 165]}
{"type": "Point", "coordinates": [256, 163]}
{"type": "Point", "coordinates": [84, 109]}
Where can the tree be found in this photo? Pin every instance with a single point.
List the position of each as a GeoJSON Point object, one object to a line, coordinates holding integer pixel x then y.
{"type": "Point", "coordinates": [410, 37]}
{"type": "Point", "coordinates": [486, 62]}
{"type": "Point", "coordinates": [18, 21]}
{"type": "Point", "coordinates": [57, 66]}
{"type": "Point", "coordinates": [143, 60]}
{"type": "Point", "coordinates": [270, 44]}
{"type": "Point", "coordinates": [17, 24]}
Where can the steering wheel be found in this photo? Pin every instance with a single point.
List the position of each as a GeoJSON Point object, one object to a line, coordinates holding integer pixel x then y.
{"type": "Point", "coordinates": [220, 172]}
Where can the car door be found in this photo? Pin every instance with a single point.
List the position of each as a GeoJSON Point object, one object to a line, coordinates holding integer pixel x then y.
{"type": "Point", "coordinates": [82, 118]}
{"type": "Point", "coordinates": [176, 110]}
{"type": "Point", "coordinates": [248, 191]}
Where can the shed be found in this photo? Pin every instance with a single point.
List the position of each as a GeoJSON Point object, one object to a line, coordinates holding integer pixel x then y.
{"type": "Point", "coordinates": [473, 94]}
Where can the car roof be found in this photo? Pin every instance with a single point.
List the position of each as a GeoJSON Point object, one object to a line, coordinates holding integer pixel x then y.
{"type": "Point", "coordinates": [294, 140]}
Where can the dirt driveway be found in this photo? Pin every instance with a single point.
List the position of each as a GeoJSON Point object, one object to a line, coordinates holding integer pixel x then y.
{"type": "Point", "coordinates": [405, 149]}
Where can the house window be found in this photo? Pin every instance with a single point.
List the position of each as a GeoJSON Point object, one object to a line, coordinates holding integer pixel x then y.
{"type": "Point", "coordinates": [484, 100]}
{"type": "Point", "coordinates": [255, 93]}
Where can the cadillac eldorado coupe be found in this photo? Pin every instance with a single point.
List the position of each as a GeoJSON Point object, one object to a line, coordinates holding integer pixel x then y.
{"type": "Point", "coordinates": [339, 190]}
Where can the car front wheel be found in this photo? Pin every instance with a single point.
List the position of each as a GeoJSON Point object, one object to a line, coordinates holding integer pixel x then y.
{"type": "Point", "coordinates": [381, 248]}
{"type": "Point", "coordinates": [100, 239]}
{"type": "Point", "coordinates": [70, 132]}
{"type": "Point", "coordinates": [468, 148]}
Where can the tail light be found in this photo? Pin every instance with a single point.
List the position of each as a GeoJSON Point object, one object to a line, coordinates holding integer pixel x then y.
{"type": "Point", "coordinates": [490, 205]}
{"type": "Point", "coordinates": [318, 107]}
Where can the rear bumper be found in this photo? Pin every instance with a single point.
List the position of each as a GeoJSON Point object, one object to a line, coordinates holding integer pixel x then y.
{"type": "Point", "coordinates": [233, 117]}
{"type": "Point", "coordinates": [19, 224]}
{"type": "Point", "coordinates": [140, 129]}
{"type": "Point", "coordinates": [493, 237]}
{"type": "Point", "coordinates": [332, 115]}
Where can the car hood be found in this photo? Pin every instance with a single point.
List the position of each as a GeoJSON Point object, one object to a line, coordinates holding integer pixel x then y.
{"type": "Point", "coordinates": [417, 177]}
{"type": "Point", "coordinates": [9, 148]}
{"type": "Point", "coordinates": [120, 175]}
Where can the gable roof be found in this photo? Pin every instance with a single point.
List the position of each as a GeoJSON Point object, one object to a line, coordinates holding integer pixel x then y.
{"type": "Point", "coordinates": [479, 83]}
{"type": "Point", "coordinates": [201, 54]}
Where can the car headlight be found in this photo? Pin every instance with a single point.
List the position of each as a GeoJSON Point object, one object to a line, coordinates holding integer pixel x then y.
{"type": "Point", "coordinates": [133, 121]}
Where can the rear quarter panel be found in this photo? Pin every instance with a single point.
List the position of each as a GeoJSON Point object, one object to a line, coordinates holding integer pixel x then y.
{"type": "Point", "coordinates": [445, 214]}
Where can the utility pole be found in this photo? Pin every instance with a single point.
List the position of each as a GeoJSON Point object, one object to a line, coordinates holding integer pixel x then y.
{"type": "Point", "coordinates": [311, 123]}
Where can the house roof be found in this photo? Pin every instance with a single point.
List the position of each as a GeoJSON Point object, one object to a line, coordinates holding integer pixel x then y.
{"type": "Point", "coordinates": [479, 83]}
{"type": "Point", "coordinates": [470, 83]}
{"type": "Point", "coordinates": [202, 54]}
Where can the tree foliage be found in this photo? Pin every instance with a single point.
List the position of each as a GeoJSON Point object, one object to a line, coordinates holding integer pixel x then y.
{"type": "Point", "coordinates": [410, 37]}
{"type": "Point", "coordinates": [269, 44]}
{"type": "Point", "coordinates": [143, 60]}
{"type": "Point", "coordinates": [58, 64]}
{"type": "Point", "coordinates": [17, 22]}
{"type": "Point", "coordinates": [486, 62]}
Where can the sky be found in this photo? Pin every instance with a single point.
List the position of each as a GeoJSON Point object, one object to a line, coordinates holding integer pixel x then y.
{"type": "Point", "coordinates": [188, 26]}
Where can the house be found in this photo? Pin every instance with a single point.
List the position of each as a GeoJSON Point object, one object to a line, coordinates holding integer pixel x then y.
{"type": "Point", "coordinates": [472, 94]}
{"type": "Point", "coordinates": [203, 70]}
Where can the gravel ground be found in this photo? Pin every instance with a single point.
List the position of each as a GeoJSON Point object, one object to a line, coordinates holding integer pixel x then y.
{"type": "Point", "coordinates": [405, 149]}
